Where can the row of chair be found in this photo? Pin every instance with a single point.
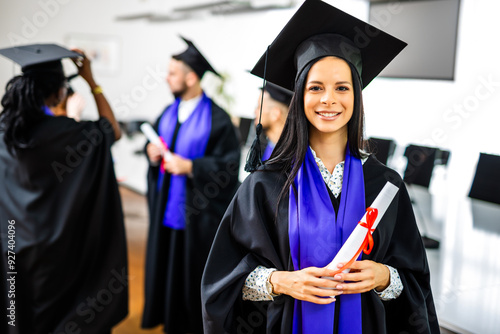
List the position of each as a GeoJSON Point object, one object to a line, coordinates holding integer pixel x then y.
{"type": "Point", "coordinates": [423, 159]}
{"type": "Point", "coordinates": [421, 162]}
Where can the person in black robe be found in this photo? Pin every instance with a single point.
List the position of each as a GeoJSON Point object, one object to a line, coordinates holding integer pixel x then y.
{"type": "Point", "coordinates": [251, 234]}
{"type": "Point", "coordinates": [290, 216]}
{"type": "Point", "coordinates": [200, 177]}
{"type": "Point", "coordinates": [62, 233]}
{"type": "Point", "coordinates": [275, 102]}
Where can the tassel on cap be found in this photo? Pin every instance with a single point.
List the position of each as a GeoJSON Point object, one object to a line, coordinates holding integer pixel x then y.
{"type": "Point", "coordinates": [254, 157]}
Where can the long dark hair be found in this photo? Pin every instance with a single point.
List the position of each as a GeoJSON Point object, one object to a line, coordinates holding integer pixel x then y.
{"type": "Point", "coordinates": [24, 101]}
{"type": "Point", "coordinates": [291, 148]}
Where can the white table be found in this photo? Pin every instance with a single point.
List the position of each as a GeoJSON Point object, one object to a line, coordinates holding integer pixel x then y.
{"type": "Point", "coordinates": [465, 270]}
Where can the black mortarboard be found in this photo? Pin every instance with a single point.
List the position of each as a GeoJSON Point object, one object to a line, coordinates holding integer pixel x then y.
{"type": "Point", "coordinates": [194, 59]}
{"type": "Point", "coordinates": [36, 56]}
{"type": "Point", "coordinates": [278, 93]}
{"type": "Point", "coordinates": [317, 30]}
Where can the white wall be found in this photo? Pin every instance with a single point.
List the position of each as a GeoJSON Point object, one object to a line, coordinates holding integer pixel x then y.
{"type": "Point", "coordinates": [231, 43]}
{"type": "Point", "coordinates": [460, 115]}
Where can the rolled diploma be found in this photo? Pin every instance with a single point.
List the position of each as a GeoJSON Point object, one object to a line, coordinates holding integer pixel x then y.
{"type": "Point", "coordinates": [153, 137]}
{"type": "Point", "coordinates": [355, 240]}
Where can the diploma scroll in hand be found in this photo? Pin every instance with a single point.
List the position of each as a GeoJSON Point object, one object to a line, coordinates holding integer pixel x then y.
{"type": "Point", "coordinates": [153, 137]}
{"type": "Point", "coordinates": [361, 238]}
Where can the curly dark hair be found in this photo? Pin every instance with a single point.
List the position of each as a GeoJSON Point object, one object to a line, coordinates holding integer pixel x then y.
{"type": "Point", "coordinates": [23, 101]}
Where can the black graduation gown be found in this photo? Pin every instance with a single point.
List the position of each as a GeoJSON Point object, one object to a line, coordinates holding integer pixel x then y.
{"type": "Point", "coordinates": [69, 236]}
{"type": "Point", "coordinates": [249, 236]}
{"type": "Point", "coordinates": [175, 258]}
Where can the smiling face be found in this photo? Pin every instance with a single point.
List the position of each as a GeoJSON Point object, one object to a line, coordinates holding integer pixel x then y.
{"type": "Point", "coordinates": [329, 98]}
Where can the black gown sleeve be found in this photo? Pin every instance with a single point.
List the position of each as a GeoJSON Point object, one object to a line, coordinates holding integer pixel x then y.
{"type": "Point", "coordinates": [70, 242]}
{"type": "Point", "coordinates": [254, 233]}
{"type": "Point", "coordinates": [398, 244]}
{"type": "Point", "coordinates": [248, 236]}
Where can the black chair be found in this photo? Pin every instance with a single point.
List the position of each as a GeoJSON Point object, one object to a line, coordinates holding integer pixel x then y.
{"type": "Point", "coordinates": [421, 162]}
{"type": "Point", "coordinates": [383, 149]}
{"type": "Point", "coordinates": [486, 183]}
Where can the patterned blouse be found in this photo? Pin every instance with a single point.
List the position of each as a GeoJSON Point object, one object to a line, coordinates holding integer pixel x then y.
{"type": "Point", "coordinates": [257, 286]}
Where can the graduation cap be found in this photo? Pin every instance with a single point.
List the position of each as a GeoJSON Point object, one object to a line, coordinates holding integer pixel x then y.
{"type": "Point", "coordinates": [278, 93]}
{"type": "Point", "coordinates": [194, 59]}
{"type": "Point", "coordinates": [317, 30]}
{"type": "Point", "coordinates": [36, 57]}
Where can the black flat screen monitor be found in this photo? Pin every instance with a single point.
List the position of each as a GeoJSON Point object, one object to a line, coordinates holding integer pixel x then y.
{"type": "Point", "coordinates": [429, 27]}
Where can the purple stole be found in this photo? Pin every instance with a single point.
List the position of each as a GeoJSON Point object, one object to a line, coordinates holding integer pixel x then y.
{"type": "Point", "coordinates": [191, 143]}
{"type": "Point", "coordinates": [316, 236]}
{"type": "Point", "coordinates": [267, 152]}
{"type": "Point", "coordinates": [47, 111]}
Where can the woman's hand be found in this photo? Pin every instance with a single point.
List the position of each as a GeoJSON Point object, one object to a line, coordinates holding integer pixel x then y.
{"type": "Point", "coordinates": [84, 68]}
{"type": "Point", "coordinates": [103, 107]}
{"type": "Point", "coordinates": [364, 276]}
{"type": "Point", "coordinates": [310, 284]}
{"type": "Point", "coordinates": [307, 284]}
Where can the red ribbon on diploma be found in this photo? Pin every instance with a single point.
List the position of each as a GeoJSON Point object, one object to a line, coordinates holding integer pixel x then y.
{"type": "Point", "coordinates": [162, 162]}
{"type": "Point", "coordinates": [367, 245]}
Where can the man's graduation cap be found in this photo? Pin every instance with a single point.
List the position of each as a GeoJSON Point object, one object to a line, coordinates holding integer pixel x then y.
{"type": "Point", "coordinates": [317, 30]}
{"type": "Point", "coordinates": [278, 93]}
{"type": "Point", "coordinates": [38, 56]}
{"type": "Point", "coordinates": [194, 59]}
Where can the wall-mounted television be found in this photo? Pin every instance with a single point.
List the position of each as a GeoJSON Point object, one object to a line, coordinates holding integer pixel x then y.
{"type": "Point", "coordinates": [430, 27]}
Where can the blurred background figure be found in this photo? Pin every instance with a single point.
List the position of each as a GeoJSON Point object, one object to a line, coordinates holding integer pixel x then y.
{"type": "Point", "coordinates": [274, 104]}
{"type": "Point", "coordinates": [60, 204]}
{"type": "Point", "coordinates": [188, 192]}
